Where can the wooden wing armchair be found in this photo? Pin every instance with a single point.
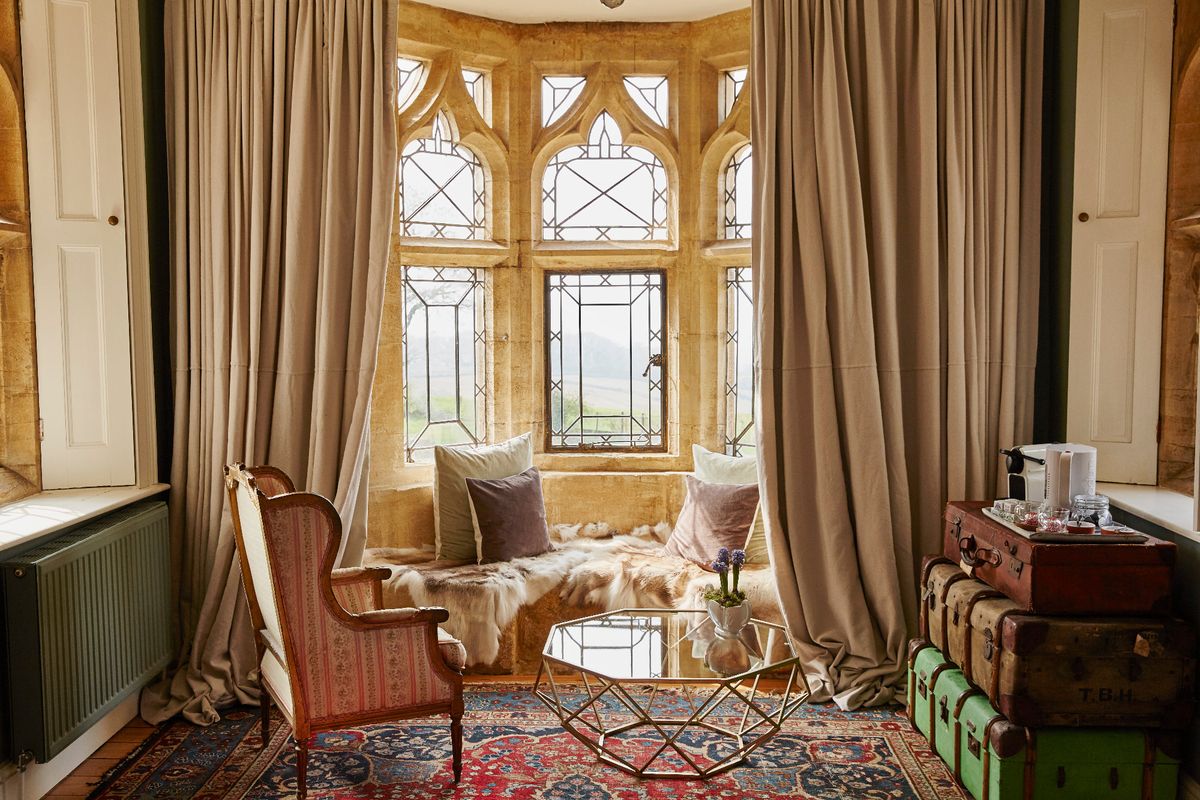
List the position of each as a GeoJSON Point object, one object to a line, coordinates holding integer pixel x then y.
{"type": "Point", "coordinates": [328, 655]}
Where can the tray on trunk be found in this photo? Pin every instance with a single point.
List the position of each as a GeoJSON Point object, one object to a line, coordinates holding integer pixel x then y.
{"type": "Point", "coordinates": [1067, 538]}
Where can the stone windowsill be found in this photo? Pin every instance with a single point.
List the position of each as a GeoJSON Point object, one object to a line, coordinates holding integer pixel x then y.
{"type": "Point", "coordinates": [1164, 507]}
{"type": "Point", "coordinates": [39, 515]}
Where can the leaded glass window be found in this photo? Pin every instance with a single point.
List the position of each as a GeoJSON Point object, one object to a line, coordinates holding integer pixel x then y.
{"type": "Point", "coordinates": [739, 362]}
{"type": "Point", "coordinates": [604, 190]}
{"type": "Point", "coordinates": [732, 82]}
{"type": "Point", "coordinates": [411, 74]}
{"type": "Point", "coordinates": [604, 352]}
{"type": "Point", "coordinates": [737, 194]}
{"type": "Point", "coordinates": [445, 359]}
{"type": "Point", "coordinates": [477, 87]}
{"type": "Point", "coordinates": [442, 187]}
{"type": "Point", "coordinates": [559, 93]}
{"type": "Point", "coordinates": [650, 94]}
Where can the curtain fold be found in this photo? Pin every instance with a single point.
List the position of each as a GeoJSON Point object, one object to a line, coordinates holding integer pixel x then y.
{"type": "Point", "coordinates": [897, 157]}
{"type": "Point", "coordinates": [282, 163]}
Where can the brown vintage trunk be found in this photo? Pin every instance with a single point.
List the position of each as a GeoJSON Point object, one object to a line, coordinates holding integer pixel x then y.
{"type": "Point", "coordinates": [1060, 671]}
{"type": "Point", "coordinates": [1044, 578]}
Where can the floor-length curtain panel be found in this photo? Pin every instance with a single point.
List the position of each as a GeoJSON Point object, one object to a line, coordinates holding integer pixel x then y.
{"type": "Point", "coordinates": [282, 146]}
{"type": "Point", "coordinates": [895, 267]}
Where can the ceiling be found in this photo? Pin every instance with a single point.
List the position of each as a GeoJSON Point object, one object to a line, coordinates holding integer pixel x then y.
{"type": "Point", "coordinates": [592, 10]}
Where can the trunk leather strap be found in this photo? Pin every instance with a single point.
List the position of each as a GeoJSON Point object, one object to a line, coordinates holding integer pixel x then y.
{"type": "Point", "coordinates": [944, 645]}
{"type": "Point", "coordinates": [997, 651]}
{"type": "Point", "coordinates": [958, 707]}
{"type": "Point", "coordinates": [1030, 761]}
{"type": "Point", "coordinates": [927, 593]}
{"type": "Point", "coordinates": [987, 755]}
{"type": "Point", "coordinates": [1149, 756]}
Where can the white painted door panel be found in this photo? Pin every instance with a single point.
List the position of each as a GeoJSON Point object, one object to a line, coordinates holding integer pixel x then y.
{"type": "Point", "coordinates": [1122, 114]}
{"type": "Point", "coordinates": [81, 286]}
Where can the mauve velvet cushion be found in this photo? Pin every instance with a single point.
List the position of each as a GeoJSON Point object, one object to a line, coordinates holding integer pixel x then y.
{"type": "Point", "coordinates": [509, 516]}
{"type": "Point", "coordinates": [714, 515]}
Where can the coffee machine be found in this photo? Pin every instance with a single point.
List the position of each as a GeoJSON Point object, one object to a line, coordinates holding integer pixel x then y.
{"type": "Point", "coordinates": [1026, 467]}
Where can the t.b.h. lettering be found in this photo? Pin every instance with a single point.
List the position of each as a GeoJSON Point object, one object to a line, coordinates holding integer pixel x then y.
{"type": "Point", "coordinates": [1106, 695]}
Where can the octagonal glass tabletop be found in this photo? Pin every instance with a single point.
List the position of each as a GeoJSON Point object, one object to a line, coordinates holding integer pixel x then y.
{"type": "Point", "coordinates": [665, 645]}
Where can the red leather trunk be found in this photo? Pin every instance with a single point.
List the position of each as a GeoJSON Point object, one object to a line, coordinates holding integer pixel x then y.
{"type": "Point", "coordinates": [1048, 578]}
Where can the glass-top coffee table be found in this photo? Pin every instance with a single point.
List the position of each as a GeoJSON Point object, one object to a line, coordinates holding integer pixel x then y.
{"type": "Point", "coordinates": [603, 677]}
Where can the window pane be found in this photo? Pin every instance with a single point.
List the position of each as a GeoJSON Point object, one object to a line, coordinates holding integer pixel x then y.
{"type": "Point", "coordinates": [477, 87]}
{"type": "Point", "coordinates": [739, 362]}
{"type": "Point", "coordinates": [445, 361]}
{"type": "Point", "coordinates": [650, 94]}
{"type": "Point", "coordinates": [732, 81]}
{"type": "Point", "coordinates": [604, 190]}
{"type": "Point", "coordinates": [411, 75]}
{"type": "Point", "coordinates": [559, 93]}
{"type": "Point", "coordinates": [442, 188]}
{"type": "Point", "coordinates": [738, 195]}
{"type": "Point", "coordinates": [605, 351]}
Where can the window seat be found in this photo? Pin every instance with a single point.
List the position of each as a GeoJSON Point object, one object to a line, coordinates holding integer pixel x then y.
{"type": "Point", "coordinates": [502, 612]}
{"type": "Point", "coordinates": [44, 514]}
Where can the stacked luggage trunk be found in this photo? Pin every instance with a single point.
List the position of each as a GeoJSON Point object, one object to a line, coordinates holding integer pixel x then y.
{"type": "Point", "coordinates": [1034, 680]}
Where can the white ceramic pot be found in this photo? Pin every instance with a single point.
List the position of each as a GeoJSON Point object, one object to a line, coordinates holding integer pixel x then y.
{"type": "Point", "coordinates": [729, 621]}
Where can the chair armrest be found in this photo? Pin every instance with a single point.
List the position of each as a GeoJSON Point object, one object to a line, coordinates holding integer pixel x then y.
{"type": "Point", "coordinates": [391, 617]}
{"type": "Point", "coordinates": [355, 574]}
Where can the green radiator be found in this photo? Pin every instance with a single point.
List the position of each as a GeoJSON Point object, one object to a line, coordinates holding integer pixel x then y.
{"type": "Point", "coordinates": [88, 619]}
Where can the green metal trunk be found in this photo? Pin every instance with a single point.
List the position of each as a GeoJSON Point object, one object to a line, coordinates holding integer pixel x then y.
{"type": "Point", "coordinates": [925, 665]}
{"type": "Point", "coordinates": [997, 760]}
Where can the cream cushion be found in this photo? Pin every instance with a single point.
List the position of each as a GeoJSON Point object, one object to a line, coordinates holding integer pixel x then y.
{"type": "Point", "coordinates": [454, 531]}
{"type": "Point", "coordinates": [719, 468]}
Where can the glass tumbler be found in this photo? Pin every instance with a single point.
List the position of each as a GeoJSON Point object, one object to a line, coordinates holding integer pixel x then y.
{"type": "Point", "coordinates": [1053, 519]}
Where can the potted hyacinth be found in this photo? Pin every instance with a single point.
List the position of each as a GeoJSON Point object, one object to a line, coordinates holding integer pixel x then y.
{"type": "Point", "coordinates": [727, 604]}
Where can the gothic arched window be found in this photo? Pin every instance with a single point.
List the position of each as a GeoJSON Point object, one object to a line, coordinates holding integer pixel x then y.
{"type": "Point", "coordinates": [604, 190]}
{"type": "Point", "coordinates": [442, 187]}
{"type": "Point", "coordinates": [736, 194]}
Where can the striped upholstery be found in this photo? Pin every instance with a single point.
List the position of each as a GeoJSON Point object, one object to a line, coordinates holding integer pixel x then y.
{"type": "Point", "coordinates": [357, 595]}
{"type": "Point", "coordinates": [342, 670]}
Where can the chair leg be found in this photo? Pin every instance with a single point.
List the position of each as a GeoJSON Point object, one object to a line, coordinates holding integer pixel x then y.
{"type": "Point", "coordinates": [456, 743]}
{"type": "Point", "coordinates": [301, 769]}
{"type": "Point", "coordinates": [265, 712]}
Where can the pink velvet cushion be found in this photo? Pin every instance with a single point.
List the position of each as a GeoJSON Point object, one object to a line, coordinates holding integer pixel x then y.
{"type": "Point", "coordinates": [714, 515]}
{"type": "Point", "coordinates": [509, 516]}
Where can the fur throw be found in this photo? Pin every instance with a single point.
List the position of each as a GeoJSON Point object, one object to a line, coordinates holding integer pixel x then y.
{"type": "Point", "coordinates": [483, 599]}
{"type": "Point", "coordinates": [590, 565]}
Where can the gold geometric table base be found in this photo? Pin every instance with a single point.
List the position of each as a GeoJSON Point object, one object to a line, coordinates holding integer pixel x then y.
{"type": "Point", "coordinates": [633, 700]}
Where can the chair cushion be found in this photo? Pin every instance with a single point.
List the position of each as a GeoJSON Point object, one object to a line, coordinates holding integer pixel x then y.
{"type": "Point", "coordinates": [714, 515]}
{"type": "Point", "coordinates": [719, 468]}
{"type": "Point", "coordinates": [452, 651]}
{"type": "Point", "coordinates": [454, 533]}
{"type": "Point", "coordinates": [509, 516]}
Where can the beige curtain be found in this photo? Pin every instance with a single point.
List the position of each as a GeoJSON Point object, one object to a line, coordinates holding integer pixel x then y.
{"type": "Point", "coordinates": [282, 146]}
{"type": "Point", "coordinates": [897, 153]}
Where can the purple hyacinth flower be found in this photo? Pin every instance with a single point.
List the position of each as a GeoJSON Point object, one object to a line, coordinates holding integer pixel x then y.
{"type": "Point", "coordinates": [723, 555]}
{"type": "Point", "coordinates": [720, 566]}
{"type": "Point", "coordinates": [739, 557]}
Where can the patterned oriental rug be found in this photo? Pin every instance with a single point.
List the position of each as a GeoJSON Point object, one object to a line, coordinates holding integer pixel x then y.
{"type": "Point", "coordinates": [515, 749]}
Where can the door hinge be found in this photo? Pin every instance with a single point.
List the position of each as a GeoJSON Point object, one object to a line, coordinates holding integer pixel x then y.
{"type": "Point", "coordinates": [41, 429]}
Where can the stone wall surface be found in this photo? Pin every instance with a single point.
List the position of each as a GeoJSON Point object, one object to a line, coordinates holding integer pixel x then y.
{"type": "Point", "coordinates": [1177, 435]}
{"type": "Point", "coordinates": [19, 444]}
{"type": "Point", "coordinates": [623, 489]}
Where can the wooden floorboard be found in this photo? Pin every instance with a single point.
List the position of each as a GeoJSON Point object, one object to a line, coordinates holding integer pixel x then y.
{"type": "Point", "coordinates": [80, 783]}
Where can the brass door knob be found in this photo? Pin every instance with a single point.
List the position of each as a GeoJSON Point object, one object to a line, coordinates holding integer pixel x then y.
{"type": "Point", "coordinates": [113, 220]}
{"type": "Point", "coordinates": [1083, 216]}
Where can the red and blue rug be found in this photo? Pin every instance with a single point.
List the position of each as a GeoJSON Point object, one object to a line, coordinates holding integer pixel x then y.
{"type": "Point", "coordinates": [515, 749]}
